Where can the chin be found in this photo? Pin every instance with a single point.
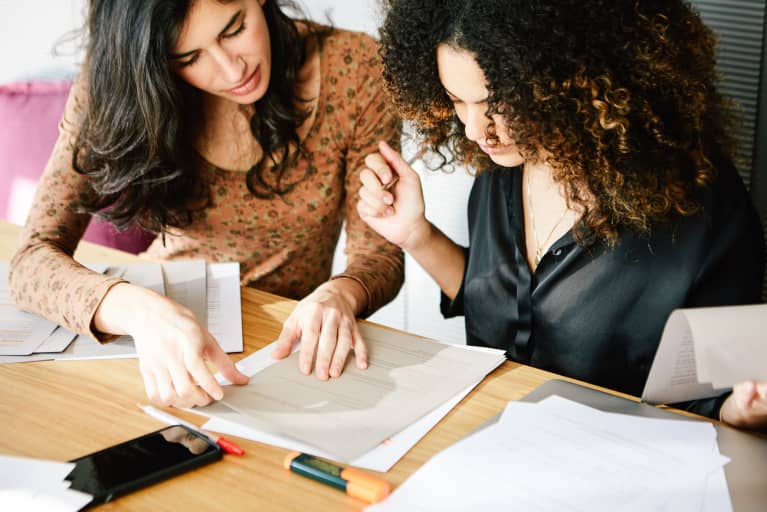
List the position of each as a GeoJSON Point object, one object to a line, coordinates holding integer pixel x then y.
{"type": "Point", "coordinates": [508, 159]}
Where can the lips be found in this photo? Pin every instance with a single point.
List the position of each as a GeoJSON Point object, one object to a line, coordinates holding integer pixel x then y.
{"type": "Point", "coordinates": [248, 86]}
{"type": "Point", "coordinates": [495, 150]}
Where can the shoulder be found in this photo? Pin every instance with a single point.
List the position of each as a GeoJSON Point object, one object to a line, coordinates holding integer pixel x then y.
{"type": "Point", "coordinates": [726, 195]}
{"type": "Point", "coordinates": [350, 50]}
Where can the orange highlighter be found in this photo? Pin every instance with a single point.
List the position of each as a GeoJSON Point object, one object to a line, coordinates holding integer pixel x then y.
{"type": "Point", "coordinates": [356, 483]}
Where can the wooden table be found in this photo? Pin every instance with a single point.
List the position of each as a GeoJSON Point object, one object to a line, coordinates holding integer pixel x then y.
{"type": "Point", "coordinates": [62, 410]}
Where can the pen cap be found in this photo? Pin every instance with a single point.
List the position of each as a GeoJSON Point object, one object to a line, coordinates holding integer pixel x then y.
{"type": "Point", "coordinates": [364, 486]}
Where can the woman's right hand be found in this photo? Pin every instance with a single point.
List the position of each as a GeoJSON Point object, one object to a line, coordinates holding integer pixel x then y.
{"type": "Point", "coordinates": [171, 344]}
{"type": "Point", "coordinates": [395, 212]}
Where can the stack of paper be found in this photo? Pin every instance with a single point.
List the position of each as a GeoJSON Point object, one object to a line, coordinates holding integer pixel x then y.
{"type": "Point", "coordinates": [368, 418]}
{"type": "Point", "coordinates": [561, 455]}
{"type": "Point", "coordinates": [34, 484]}
{"type": "Point", "coordinates": [210, 291]}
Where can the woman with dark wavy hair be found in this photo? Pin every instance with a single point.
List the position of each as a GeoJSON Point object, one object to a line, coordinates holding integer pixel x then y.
{"type": "Point", "coordinates": [237, 134]}
{"type": "Point", "coordinates": [606, 196]}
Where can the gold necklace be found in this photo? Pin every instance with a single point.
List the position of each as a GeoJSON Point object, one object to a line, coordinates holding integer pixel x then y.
{"type": "Point", "coordinates": [539, 246]}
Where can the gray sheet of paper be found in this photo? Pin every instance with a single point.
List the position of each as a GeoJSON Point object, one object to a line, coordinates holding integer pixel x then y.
{"type": "Point", "coordinates": [407, 378]}
{"type": "Point", "coordinates": [673, 376]}
{"type": "Point", "coordinates": [147, 275]}
{"type": "Point", "coordinates": [58, 341]}
{"type": "Point", "coordinates": [730, 343]}
{"type": "Point", "coordinates": [185, 282]}
{"type": "Point", "coordinates": [224, 305]}
{"type": "Point", "coordinates": [20, 332]}
{"type": "Point", "coordinates": [84, 347]}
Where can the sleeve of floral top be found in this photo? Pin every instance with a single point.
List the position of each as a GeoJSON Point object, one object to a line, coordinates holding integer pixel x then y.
{"type": "Point", "coordinates": [371, 260]}
{"type": "Point", "coordinates": [44, 279]}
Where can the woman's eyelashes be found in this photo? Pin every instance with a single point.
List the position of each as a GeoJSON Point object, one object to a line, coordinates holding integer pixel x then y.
{"type": "Point", "coordinates": [189, 62]}
{"type": "Point", "coordinates": [235, 31]}
{"type": "Point", "coordinates": [193, 59]}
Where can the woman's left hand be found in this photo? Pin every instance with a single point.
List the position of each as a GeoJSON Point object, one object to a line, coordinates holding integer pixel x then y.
{"type": "Point", "coordinates": [325, 323]}
{"type": "Point", "coordinates": [746, 407]}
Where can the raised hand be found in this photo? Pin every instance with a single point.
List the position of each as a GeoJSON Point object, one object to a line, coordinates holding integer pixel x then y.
{"type": "Point", "coordinates": [395, 212]}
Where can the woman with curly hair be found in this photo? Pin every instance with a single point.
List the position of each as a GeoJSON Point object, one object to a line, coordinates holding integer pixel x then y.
{"type": "Point", "coordinates": [606, 196]}
{"type": "Point", "coordinates": [236, 133]}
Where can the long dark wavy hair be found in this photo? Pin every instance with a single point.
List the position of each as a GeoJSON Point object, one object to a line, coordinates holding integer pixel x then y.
{"type": "Point", "coordinates": [620, 93]}
{"type": "Point", "coordinates": [136, 138]}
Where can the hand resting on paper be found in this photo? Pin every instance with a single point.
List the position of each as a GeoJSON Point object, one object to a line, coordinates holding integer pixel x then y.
{"type": "Point", "coordinates": [171, 344]}
{"type": "Point", "coordinates": [325, 324]}
{"type": "Point", "coordinates": [746, 407]}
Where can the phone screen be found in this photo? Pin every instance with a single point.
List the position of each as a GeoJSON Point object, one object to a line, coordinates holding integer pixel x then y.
{"type": "Point", "coordinates": [142, 461]}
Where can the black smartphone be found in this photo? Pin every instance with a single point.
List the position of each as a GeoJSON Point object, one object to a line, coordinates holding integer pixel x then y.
{"type": "Point", "coordinates": [140, 462]}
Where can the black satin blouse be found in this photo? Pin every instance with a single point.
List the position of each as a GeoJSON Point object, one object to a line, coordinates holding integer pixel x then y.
{"type": "Point", "coordinates": [597, 313]}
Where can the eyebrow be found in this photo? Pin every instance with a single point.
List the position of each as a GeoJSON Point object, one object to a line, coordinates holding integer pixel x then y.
{"type": "Point", "coordinates": [231, 22]}
{"type": "Point", "coordinates": [483, 100]}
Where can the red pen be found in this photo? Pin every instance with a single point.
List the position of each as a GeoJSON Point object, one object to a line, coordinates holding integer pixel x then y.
{"type": "Point", "coordinates": [226, 445]}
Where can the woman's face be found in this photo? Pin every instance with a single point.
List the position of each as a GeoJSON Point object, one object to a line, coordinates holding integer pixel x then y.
{"type": "Point", "coordinates": [224, 49]}
{"type": "Point", "coordinates": [465, 85]}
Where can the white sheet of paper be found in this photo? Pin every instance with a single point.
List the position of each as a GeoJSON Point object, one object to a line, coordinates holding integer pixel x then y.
{"type": "Point", "coordinates": [38, 485]}
{"type": "Point", "coordinates": [673, 376]}
{"type": "Point", "coordinates": [225, 305]}
{"type": "Point", "coordinates": [553, 458]}
{"type": "Point", "coordinates": [30, 473]}
{"type": "Point", "coordinates": [683, 436]}
{"type": "Point", "coordinates": [44, 500]}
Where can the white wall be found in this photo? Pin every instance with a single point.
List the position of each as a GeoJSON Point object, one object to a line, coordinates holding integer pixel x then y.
{"type": "Point", "coordinates": [29, 31]}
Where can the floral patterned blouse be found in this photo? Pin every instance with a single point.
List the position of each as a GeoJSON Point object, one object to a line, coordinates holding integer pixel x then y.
{"type": "Point", "coordinates": [284, 244]}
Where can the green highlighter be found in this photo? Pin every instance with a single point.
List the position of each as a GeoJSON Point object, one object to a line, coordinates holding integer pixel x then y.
{"type": "Point", "coordinates": [353, 481]}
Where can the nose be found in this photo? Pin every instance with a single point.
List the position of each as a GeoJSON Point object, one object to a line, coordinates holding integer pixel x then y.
{"type": "Point", "coordinates": [230, 63]}
{"type": "Point", "coordinates": [476, 123]}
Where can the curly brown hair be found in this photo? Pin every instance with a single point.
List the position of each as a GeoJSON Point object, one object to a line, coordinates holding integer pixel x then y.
{"type": "Point", "coordinates": [620, 93]}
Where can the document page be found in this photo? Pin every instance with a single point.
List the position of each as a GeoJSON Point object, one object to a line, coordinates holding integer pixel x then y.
{"type": "Point", "coordinates": [20, 332]}
{"type": "Point", "coordinates": [381, 458]}
{"type": "Point", "coordinates": [147, 275]}
{"type": "Point", "coordinates": [407, 378]}
{"type": "Point", "coordinates": [224, 305]}
{"type": "Point", "coordinates": [212, 292]}
{"type": "Point", "coordinates": [555, 456]}
{"type": "Point", "coordinates": [730, 343]}
{"type": "Point", "coordinates": [185, 282]}
{"type": "Point", "coordinates": [37, 485]}
{"type": "Point", "coordinates": [705, 351]}
{"type": "Point", "coordinates": [673, 376]}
